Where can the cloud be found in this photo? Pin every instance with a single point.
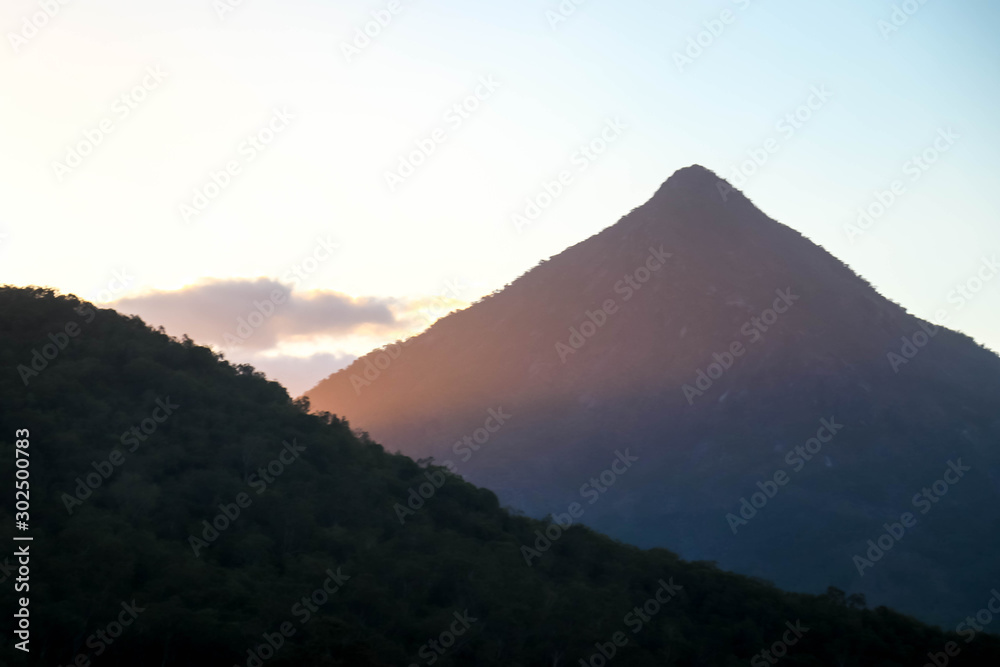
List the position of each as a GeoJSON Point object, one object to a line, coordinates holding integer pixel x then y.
{"type": "Point", "coordinates": [295, 338]}
{"type": "Point", "coordinates": [257, 315]}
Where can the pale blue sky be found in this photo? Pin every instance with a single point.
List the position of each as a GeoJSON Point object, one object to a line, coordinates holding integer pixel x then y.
{"type": "Point", "coordinates": [324, 173]}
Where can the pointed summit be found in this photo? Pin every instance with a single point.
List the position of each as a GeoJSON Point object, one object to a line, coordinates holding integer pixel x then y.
{"type": "Point", "coordinates": [698, 183]}
{"type": "Point", "coordinates": [692, 174]}
{"type": "Point", "coordinates": [698, 200]}
{"type": "Point", "coordinates": [695, 176]}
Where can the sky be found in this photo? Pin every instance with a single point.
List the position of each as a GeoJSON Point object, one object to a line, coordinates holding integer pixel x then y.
{"type": "Point", "coordinates": [204, 163]}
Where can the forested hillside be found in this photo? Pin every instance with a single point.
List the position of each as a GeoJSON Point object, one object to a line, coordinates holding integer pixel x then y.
{"type": "Point", "coordinates": [328, 550]}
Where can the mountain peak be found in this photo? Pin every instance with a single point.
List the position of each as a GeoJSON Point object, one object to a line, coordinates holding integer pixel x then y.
{"type": "Point", "coordinates": [692, 172]}
{"type": "Point", "coordinates": [695, 197]}
{"type": "Point", "coordinates": [673, 332]}
{"type": "Point", "coordinates": [694, 179]}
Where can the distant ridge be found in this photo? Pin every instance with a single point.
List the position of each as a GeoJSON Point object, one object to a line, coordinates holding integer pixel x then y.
{"type": "Point", "coordinates": [634, 382]}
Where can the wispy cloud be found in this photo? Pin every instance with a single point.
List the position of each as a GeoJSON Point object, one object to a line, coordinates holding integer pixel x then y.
{"type": "Point", "coordinates": [223, 312]}
{"type": "Point", "coordinates": [294, 337]}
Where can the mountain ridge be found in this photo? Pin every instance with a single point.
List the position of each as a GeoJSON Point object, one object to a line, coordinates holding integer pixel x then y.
{"type": "Point", "coordinates": [631, 380]}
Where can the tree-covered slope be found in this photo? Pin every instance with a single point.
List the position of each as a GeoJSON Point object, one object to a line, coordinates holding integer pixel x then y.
{"type": "Point", "coordinates": [136, 440]}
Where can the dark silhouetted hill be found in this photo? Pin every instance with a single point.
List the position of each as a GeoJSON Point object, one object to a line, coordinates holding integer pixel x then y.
{"type": "Point", "coordinates": [308, 553]}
